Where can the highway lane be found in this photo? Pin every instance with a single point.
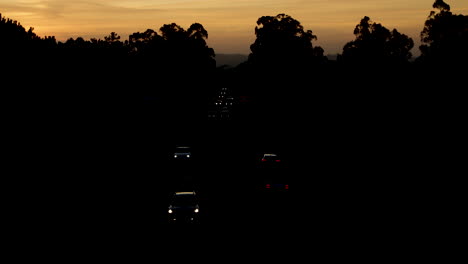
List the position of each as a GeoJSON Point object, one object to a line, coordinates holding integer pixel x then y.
{"type": "Point", "coordinates": [118, 174]}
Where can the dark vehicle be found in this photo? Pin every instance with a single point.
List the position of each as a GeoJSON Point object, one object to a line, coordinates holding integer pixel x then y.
{"type": "Point", "coordinates": [183, 153]}
{"type": "Point", "coordinates": [273, 185]}
{"type": "Point", "coordinates": [184, 208]}
{"type": "Point", "coordinates": [275, 181]}
{"type": "Point", "coordinates": [270, 160]}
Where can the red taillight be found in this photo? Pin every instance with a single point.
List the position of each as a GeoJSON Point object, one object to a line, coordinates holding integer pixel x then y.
{"type": "Point", "coordinates": [278, 160]}
{"type": "Point", "coordinates": [263, 160]}
{"type": "Point", "coordinates": [268, 186]}
{"type": "Point", "coordinates": [286, 187]}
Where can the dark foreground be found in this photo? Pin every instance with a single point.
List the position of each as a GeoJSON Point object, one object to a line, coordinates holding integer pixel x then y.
{"type": "Point", "coordinates": [107, 179]}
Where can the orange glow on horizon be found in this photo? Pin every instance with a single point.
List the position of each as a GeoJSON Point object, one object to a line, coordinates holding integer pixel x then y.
{"type": "Point", "coordinates": [230, 24]}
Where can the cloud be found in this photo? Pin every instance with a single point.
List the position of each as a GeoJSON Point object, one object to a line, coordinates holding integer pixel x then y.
{"type": "Point", "coordinates": [71, 18]}
{"type": "Point", "coordinates": [52, 9]}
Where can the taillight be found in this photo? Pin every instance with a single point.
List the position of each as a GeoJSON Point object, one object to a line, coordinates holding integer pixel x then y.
{"type": "Point", "coordinates": [278, 160]}
{"type": "Point", "coordinates": [268, 186]}
{"type": "Point", "coordinates": [263, 160]}
{"type": "Point", "coordinates": [286, 187]}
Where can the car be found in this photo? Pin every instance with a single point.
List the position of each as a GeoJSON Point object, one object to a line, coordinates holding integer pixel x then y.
{"type": "Point", "coordinates": [184, 208]}
{"type": "Point", "coordinates": [225, 112]}
{"type": "Point", "coordinates": [213, 114]}
{"type": "Point", "coordinates": [229, 101]}
{"type": "Point", "coordinates": [183, 153]}
{"type": "Point", "coordinates": [275, 185]}
{"type": "Point", "coordinates": [275, 181]}
{"type": "Point", "coordinates": [271, 157]}
{"type": "Point", "coordinates": [270, 160]}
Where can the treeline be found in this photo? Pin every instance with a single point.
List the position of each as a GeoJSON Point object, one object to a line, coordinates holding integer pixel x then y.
{"type": "Point", "coordinates": [177, 63]}
{"type": "Point", "coordinates": [171, 53]}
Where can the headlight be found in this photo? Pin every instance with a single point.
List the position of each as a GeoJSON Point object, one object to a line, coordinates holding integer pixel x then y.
{"type": "Point", "coordinates": [188, 156]}
{"type": "Point", "coordinates": [196, 210]}
{"type": "Point", "coordinates": [170, 211]}
{"type": "Point", "coordinates": [175, 156]}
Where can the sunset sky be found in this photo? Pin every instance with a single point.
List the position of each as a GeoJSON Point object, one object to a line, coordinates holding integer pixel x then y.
{"type": "Point", "coordinates": [230, 23]}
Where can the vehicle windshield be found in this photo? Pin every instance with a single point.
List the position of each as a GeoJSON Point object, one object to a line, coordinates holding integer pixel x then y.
{"type": "Point", "coordinates": [270, 156]}
{"type": "Point", "coordinates": [184, 200]}
{"type": "Point", "coordinates": [182, 150]}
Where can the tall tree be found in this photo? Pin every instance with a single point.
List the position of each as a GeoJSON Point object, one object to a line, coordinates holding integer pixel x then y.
{"type": "Point", "coordinates": [12, 32]}
{"type": "Point", "coordinates": [375, 43]}
{"type": "Point", "coordinates": [112, 38]}
{"type": "Point", "coordinates": [16, 41]}
{"type": "Point", "coordinates": [188, 47]}
{"type": "Point", "coordinates": [282, 43]}
{"type": "Point", "coordinates": [144, 44]}
{"type": "Point", "coordinates": [22, 50]}
{"type": "Point", "coordinates": [445, 36]}
{"type": "Point", "coordinates": [197, 31]}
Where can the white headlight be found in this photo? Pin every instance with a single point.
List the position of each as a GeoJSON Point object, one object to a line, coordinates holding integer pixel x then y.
{"type": "Point", "coordinates": [170, 211]}
{"type": "Point", "coordinates": [196, 210]}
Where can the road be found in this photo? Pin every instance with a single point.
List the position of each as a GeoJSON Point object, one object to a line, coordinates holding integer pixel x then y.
{"type": "Point", "coordinates": [114, 177]}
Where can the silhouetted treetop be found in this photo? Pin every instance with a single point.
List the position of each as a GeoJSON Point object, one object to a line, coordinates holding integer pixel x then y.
{"type": "Point", "coordinates": [112, 38]}
{"type": "Point", "coordinates": [174, 47]}
{"type": "Point", "coordinates": [144, 43]}
{"type": "Point", "coordinates": [375, 43]}
{"type": "Point", "coordinates": [282, 42]}
{"type": "Point", "coordinates": [14, 36]}
{"type": "Point", "coordinates": [197, 31]}
{"type": "Point", "coordinates": [21, 46]}
{"type": "Point", "coordinates": [441, 5]}
{"type": "Point", "coordinates": [12, 32]}
{"type": "Point", "coordinates": [144, 37]}
{"type": "Point", "coordinates": [445, 35]}
{"type": "Point", "coordinates": [188, 48]}
{"type": "Point", "coordinates": [173, 32]}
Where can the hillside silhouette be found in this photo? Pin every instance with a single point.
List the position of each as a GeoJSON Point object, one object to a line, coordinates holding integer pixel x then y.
{"type": "Point", "coordinates": [230, 60]}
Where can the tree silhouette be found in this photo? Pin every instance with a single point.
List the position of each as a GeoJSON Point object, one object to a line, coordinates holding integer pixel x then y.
{"type": "Point", "coordinates": [23, 52]}
{"type": "Point", "coordinates": [142, 44]}
{"type": "Point", "coordinates": [175, 64]}
{"type": "Point", "coordinates": [13, 34]}
{"type": "Point", "coordinates": [189, 67]}
{"type": "Point", "coordinates": [112, 38]}
{"type": "Point", "coordinates": [445, 36]}
{"type": "Point", "coordinates": [282, 43]}
{"type": "Point", "coordinates": [197, 37]}
{"type": "Point", "coordinates": [197, 31]}
{"type": "Point", "coordinates": [376, 44]}
{"type": "Point", "coordinates": [441, 5]}
{"type": "Point", "coordinates": [173, 50]}
{"type": "Point", "coordinates": [16, 41]}
{"type": "Point", "coordinates": [283, 57]}
{"type": "Point", "coordinates": [188, 49]}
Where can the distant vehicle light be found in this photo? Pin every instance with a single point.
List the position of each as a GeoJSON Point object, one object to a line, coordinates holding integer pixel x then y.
{"type": "Point", "coordinates": [268, 186]}
{"type": "Point", "coordinates": [196, 210]}
{"type": "Point", "coordinates": [286, 187]}
{"type": "Point", "coordinates": [278, 160]}
{"type": "Point", "coordinates": [170, 211]}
